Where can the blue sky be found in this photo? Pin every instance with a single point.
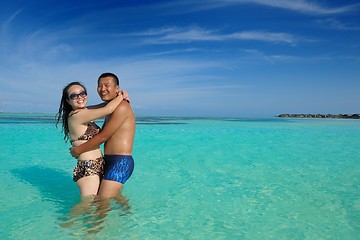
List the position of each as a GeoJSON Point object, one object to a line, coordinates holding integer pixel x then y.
{"type": "Point", "coordinates": [196, 58]}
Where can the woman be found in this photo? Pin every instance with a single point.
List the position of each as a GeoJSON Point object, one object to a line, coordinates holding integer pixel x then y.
{"type": "Point", "coordinates": [78, 126]}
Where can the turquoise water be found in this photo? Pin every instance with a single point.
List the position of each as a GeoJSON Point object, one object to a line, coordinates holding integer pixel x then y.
{"type": "Point", "coordinates": [194, 178]}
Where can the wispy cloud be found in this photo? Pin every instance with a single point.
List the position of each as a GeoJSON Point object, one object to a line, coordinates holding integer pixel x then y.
{"type": "Point", "coordinates": [193, 34]}
{"type": "Point", "coordinates": [6, 32]}
{"type": "Point", "coordinates": [301, 6]}
{"type": "Point", "coordinates": [177, 51]}
{"type": "Point", "coordinates": [6, 24]}
{"type": "Point", "coordinates": [256, 55]}
{"type": "Point", "coordinates": [336, 24]}
{"type": "Point", "coordinates": [275, 37]}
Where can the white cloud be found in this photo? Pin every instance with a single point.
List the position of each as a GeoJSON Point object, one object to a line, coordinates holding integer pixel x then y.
{"type": "Point", "coordinates": [276, 37]}
{"type": "Point", "coordinates": [151, 83]}
{"type": "Point", "coordinates": [180, 35]}
{"type": "Point", "coordinates": [302, 6]}
{"type": "Point", "coordinates": [336, 24]}
{"type": "Point", "coordinates": [7, 23]}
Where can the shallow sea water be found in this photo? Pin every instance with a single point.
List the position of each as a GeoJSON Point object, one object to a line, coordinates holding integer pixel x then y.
{"type": "Point", "coordinates": [194, 178]}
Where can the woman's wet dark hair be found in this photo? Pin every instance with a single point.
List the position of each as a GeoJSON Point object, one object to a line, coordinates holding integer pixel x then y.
{"type": "Point", "coordinates": [65, 109]}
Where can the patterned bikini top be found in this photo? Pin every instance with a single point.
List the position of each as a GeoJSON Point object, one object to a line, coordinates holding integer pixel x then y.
{"type": "Point", "coordinates": [91, 131]}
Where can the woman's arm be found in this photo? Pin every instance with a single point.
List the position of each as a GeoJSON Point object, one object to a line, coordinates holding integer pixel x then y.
{"type": "Point", "coordinates": [87, 115]}
{"type": "Point", "coordinates": [100, 105]}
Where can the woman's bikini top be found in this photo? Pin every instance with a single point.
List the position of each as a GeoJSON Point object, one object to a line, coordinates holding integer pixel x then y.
{"type": "Point", "coordinates": [91, 131]}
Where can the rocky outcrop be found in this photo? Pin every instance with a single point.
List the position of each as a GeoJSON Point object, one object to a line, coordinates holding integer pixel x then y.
{"type": "Point", "coordinates": [346, 116]}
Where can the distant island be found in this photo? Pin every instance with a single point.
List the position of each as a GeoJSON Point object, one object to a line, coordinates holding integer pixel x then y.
{"type": "Point", "coordinates": [346, 116]}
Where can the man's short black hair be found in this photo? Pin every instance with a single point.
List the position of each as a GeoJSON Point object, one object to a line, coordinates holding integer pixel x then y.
{"type": "Point", "coordinates": [110, 75]}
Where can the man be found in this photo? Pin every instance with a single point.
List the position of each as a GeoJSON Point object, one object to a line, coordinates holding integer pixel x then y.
{"type": "Point", "coordinates": [118, 134]}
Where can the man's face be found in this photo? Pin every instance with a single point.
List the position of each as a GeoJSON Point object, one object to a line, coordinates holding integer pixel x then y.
{"type": "Point", "coordinates": [107, 88]}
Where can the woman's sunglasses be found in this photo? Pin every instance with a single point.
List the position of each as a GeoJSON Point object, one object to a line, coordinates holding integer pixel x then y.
{"type": "Point", "coordinates": [74, 96]}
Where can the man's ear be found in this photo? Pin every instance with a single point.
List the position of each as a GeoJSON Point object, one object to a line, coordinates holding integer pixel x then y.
{"type": "Point", "coordinates": [117, 88]}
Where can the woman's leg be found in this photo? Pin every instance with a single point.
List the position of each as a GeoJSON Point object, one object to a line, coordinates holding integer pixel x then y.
{"type": "Point", "coordinates": [89, 185]}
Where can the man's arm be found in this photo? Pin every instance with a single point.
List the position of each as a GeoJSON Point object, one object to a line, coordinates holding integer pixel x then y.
{"type": "Point", "coordinates": [115, 121]}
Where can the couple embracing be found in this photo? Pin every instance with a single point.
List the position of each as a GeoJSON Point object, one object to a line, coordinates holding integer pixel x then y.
{"type": "Point", "coordinates": [95, 173]}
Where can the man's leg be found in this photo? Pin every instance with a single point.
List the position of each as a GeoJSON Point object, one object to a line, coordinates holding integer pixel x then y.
{"type": "Point", "coordinates": [109, 188]}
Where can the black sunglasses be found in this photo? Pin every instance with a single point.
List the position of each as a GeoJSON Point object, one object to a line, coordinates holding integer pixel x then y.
{"type": "Point", "coordinates": [74, 96]}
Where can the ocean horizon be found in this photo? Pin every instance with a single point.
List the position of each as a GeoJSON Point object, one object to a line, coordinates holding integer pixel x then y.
{"type": "Point", "coordinates": [194, 178]}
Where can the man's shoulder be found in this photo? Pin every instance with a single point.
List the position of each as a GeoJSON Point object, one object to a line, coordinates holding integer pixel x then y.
{"type": "Point", "coordinates": [123, 113]}
{"type": "Point", "coordinates": [123, 107]}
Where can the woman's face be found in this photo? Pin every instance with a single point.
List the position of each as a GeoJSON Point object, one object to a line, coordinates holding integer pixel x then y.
{"type": "Point", "coordinates": [77, 97]}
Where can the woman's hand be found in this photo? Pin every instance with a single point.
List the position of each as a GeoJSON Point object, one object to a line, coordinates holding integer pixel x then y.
{"type": "Point", "coordinates": [125, 95]}
{"type": "Point", "coordinates": [120, 96]}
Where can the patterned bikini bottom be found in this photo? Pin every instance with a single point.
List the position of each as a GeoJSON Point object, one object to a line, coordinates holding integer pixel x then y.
{"type": "Point", "coordinates": [86, 168]}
